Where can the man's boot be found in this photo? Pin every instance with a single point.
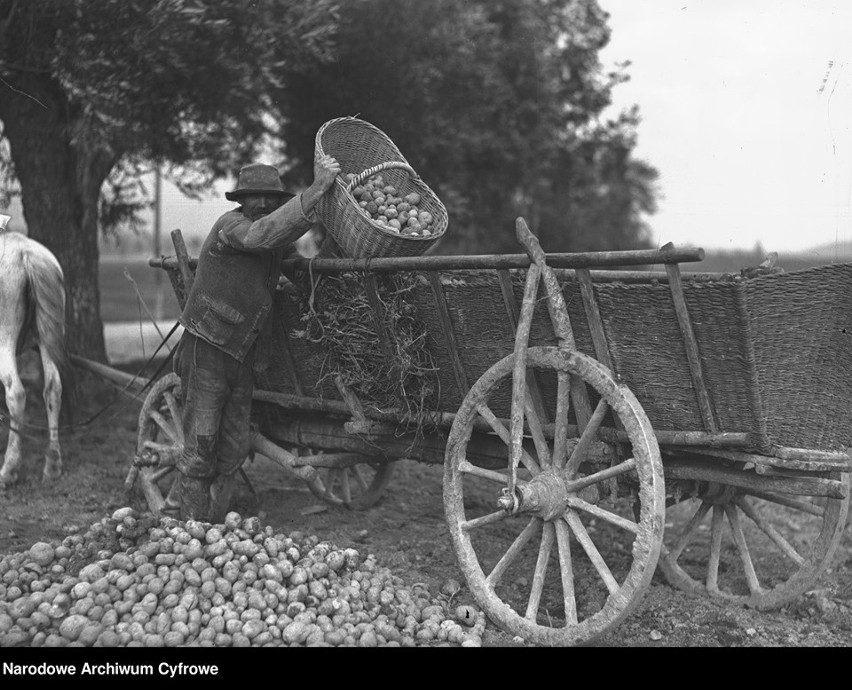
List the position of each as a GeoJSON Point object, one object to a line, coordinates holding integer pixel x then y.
{"type": "Point", "coordinates": [171, 508]}
{"type": "Point", "coordinates": [221, 492]}
{"type": "Point", "coordinates": [194, 498]}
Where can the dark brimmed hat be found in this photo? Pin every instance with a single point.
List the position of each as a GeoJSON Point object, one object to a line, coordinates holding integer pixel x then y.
{"type": "Point", "coordinates": [258, 178]}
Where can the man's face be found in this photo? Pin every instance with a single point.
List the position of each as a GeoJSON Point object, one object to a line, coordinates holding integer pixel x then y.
{"type": "Point", "coordinates": [259, 205]}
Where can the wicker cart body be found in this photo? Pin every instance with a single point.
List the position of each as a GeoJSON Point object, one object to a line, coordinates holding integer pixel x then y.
{"type": "Point", "coordinates": [569, 389]}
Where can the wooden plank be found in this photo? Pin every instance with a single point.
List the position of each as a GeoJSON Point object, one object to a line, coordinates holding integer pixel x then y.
{"type": "Point", "coordinates": [593, 316]}
{"type": "Point", "coordinates": [690, 344]}
{"type": "Point", "coordinates": [449, 333]}
{"type": "Point", "coordinates": [519, 373]}
{"type": "Point", "coordinates": [666, 437]}
{"type": "Point", "coordinates": [639, 257]}
{"type": "Point", "coordinates": [186, 271]}
{"type": "Point", "coordinates": [475, 263]}
{"type": "Point", "coordinates": [289, 360]}
{"type": "Point", "coordinates": [813, 463]}
{"type": "Point", "coordinates": [712, 472]}
{"type": "Point", "coordinates": [559, 317]}
{"type": "Point", "coordinates": [178, 286]}
{"type": "Point", "coordinates": [351, 400]}
{"type": "Point", "coordinates": [513, 312]}
{"type": "Point", "coordinates": [375, 301]}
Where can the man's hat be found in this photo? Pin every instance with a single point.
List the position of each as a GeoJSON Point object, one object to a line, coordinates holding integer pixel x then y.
{"type": "Point", "coordinates": [258, 179]}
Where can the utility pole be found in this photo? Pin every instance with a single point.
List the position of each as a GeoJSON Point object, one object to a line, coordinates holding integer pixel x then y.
{"type": "Point", "coordinates": [158, 275]}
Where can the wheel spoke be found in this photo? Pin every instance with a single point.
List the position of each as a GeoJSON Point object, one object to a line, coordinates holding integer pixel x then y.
{"type": "Point", "coordinates": [359, 478]}
{"type": "Point", "coordinates": [595, 511]}
{"type": "Point", "coordinates": [560, 428]}
{"type": "Point", "coordinates": [715, 550]}
{"type": "Point", "coordinates": [344, 481]}
{"type": "Point", "coordinates": [566, 570]}
{"type": "Point", "coordinates": [164, 425]}
{"type": "Point", "coordinates": [491, 518]}
{"type": "Point", "coordinates": [589, 434]}
{"type": "Point", "coordinates": [174, 411]}
{"type": "Point", "coordinates": [331, 477]}
{"type": "Point", "coordinates": [499, 477]}
{"type": "Point", "coordinates": [811, 508]}
{"type": "Point", "coordinates": [537, 433]}
{"type": "Point", "coordinates": [506, 437]}
{"type": "Point", "coordinates": [603, 475]}
{"type": "Point", "coordinates": [770, 532]}
{"type": "Point", "coordinates": [686, 535]}
{"type": "Point", "coordinates": [533, 526]}
{"type": "Point", "coordinates": [544, 550]}
{"type": "Point", "coordinates": [742, 549]}
{"type": "Point", "coordinates": [591, 550]}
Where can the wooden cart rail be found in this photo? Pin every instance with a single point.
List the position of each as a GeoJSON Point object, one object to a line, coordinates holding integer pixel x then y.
{"type": "Point", "coordinates": [665, 255]}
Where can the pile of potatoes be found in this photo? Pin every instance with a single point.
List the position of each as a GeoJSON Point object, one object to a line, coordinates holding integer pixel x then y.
{"type": "Point", "coordinates": [138, 581]}
{"type": "Point", "coordinates": [382, 203]}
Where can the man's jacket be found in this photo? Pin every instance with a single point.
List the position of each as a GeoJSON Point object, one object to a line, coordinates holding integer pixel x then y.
{"type": "Point", "coordinates": [238, 270]}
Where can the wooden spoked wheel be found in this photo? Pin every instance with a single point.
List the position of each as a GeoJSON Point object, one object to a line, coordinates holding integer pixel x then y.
{"type": "Point", "coordinates": [753, 548]}
{"type": "Point", "coordinates": [159, 441]}
{"type": "Point", "coordinates": [538, 569]}
{"type": "Point", "coordinates": [358, 486]}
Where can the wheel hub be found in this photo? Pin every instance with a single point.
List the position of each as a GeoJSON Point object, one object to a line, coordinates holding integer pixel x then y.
{"type": "Point", "coordinates": [718, 494]}
{"type": "Point", "coordinates": [545, 495]}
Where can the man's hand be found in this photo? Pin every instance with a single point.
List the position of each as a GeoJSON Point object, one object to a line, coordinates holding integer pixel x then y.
{"type": "Point", "coordinates": [326, 170]}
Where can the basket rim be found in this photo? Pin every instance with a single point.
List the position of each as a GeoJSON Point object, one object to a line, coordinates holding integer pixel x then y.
{"type": "Point", "coordinates": [353, 120]}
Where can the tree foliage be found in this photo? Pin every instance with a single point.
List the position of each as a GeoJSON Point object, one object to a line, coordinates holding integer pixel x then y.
{"type": "Point", "coordinates": [92, 91]}
{"type": "Point", "coordinates": [499, 104]}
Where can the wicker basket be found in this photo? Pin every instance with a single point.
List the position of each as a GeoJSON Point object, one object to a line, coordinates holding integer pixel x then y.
{"type": "Point", "coordinates": [363, 150]}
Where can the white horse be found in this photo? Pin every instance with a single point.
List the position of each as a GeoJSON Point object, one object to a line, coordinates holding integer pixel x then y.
{"type": "Point", "coordinates": [32, 314]}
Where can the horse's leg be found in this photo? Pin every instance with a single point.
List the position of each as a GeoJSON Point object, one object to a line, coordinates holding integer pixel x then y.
{"type": "Point", "coordinates": [16, 401]}
{"type": "Point", "coordinates": [52, 405]}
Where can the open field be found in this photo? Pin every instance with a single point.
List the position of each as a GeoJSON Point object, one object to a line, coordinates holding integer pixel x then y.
{"type": "Point", "coordinates": [119, 298]}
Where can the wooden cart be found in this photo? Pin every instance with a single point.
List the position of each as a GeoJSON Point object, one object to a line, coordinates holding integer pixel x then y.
{"type": "Point", "coordinates": [699, 422]}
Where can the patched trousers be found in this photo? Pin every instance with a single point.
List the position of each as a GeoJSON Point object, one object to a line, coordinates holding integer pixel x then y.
{"type": "Point", "coordinates": [216, 391]}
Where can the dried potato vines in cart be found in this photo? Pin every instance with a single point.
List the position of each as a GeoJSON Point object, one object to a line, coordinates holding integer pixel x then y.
{"type": "Point", "coordinates": [386, 364]}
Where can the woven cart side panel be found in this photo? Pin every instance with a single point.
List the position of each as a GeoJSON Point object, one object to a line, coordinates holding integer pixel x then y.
{"type": "Point", "coordinates": [802, 326]}
{"type": "Point", "coordinates": [721, 328]}
{"type": "Point", "coordinates": [647, 351]}
{"type": "Point", "coordinates": [484, 334]}
{"type": "Point", "coordinates": [480, 327]}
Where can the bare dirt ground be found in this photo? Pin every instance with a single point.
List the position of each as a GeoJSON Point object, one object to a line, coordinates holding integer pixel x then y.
{"type": "Point", "coordinates": [408, 533]}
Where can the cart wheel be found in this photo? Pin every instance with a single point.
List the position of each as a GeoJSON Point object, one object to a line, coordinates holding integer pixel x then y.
{"type": "Point", "coordinates": [504, 554]}
{"type": "Point", "coordinates": [774, 548]}
{"type": "Point", "coordinates": [358, 487]}
{"type": "Point", "coordinates": [160, 441]}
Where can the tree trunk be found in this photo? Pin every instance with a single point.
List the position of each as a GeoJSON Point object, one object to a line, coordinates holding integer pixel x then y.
{"type": "Point", "coordinates": [60, 191]}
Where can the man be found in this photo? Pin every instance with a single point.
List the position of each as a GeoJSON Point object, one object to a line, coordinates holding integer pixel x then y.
{"type": "Point", "coordinates": [223, 319]}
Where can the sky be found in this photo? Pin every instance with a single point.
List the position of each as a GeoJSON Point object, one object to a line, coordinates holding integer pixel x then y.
{"type": "Point", "coordinates": [746, 110]}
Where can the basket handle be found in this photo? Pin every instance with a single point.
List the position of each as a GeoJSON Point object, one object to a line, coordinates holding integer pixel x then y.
{"type": "Point", "coordinates": [369, 172]}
